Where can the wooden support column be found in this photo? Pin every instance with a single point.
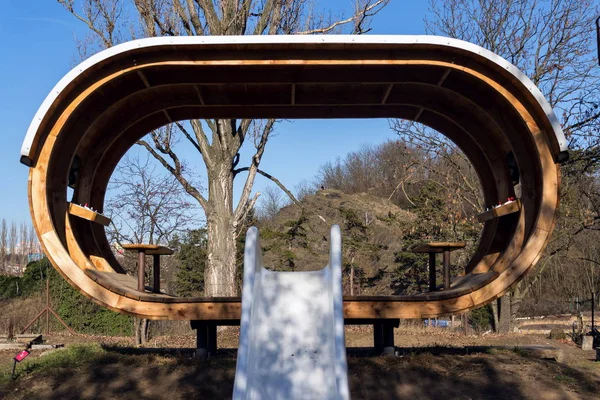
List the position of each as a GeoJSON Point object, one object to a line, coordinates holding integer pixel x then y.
{"type": "Point", "coordinates": [141, 270]}
{"type": "Point", "coordinates": [201, 339]}
{"type": "Point", "coordinates": [388, 339]}
{"type": "Point", "coordinates": [211, 338]}
{"type": "Point", "coordinates": [48, 305]}
{"type": "Point", "coordinates": [156, 273]}
{"type": "Point", "coordinates": [446, 268]}
{"type": "Point", "coordinates": [378, 336]}
{"type": "Point", "coordinates": [432, 283]}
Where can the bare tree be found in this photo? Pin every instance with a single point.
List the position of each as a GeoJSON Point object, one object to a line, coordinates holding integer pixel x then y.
{"type": "Point", "coordinates": [32, 241]}
{"type": "Point", "coordinates": [552, 42]}
{"type": "Point", "coordinates": [111, 21]}
{"type": "Point", "coordinates": [3, 244]}
{"type": "Point", "coordinates": [12, 244]}
{"type": "Point", "coordinates": [306, 188]}
{"type": "Point", "coordinates": [271, 203]}
{"type": "Point", "coordinates": [23, 246]}
{"type": "Point", "coordinates": [146, 207]}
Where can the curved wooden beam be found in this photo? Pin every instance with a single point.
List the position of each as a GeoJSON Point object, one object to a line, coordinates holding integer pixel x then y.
{"type": "Point", "coordinates": [481, 102]}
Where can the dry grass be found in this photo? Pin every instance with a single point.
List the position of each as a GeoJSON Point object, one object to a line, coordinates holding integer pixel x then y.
{"type": "Point", "coordinates": [93, 371]}
{"type": "Point", "coordinates": [16, 313]}
{"type": "Point", "coordinates": [432, 365]}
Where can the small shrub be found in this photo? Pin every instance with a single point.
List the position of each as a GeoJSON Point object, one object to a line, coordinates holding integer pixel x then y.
{"type": "Point", "coordinates": [557, 334]}
{"type": "Point", "coordinates": [481, 319]}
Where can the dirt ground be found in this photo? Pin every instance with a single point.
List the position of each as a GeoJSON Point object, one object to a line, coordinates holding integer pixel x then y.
{"type": "Point", "coordinates": [431, 364]}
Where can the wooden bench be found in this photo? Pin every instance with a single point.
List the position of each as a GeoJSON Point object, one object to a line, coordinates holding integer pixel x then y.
{"type": "Point", "coordinates": [462, 285]}
{"type": "Point", "coordinates": [206, 338]}
{"type": "Point", "coordinates": [206, 335]}
{"type": "Point", "coordinates": [127, 286]}
{"type": "Point", "coordinates": [383, 333]}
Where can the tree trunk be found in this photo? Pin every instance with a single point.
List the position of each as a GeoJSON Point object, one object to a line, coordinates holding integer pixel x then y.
{"type": "Point", "coordinates": [144, 328]}
{"type": "Point", "coordinates": [504, 313]}
{"type": "Point", "coordinates": [495, 314]}
{"type": "Point", "coordinates": [136, 331]}
{"type": "Point", "coordinates": [140, 329]}
{"type": "Point", "coordinates": [220, 272]}
{"type": "Point", "coordinates": [515, 305]}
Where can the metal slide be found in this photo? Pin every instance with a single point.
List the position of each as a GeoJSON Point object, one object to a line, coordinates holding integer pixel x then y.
{"type": "Point", "coordinates": [292, 330]}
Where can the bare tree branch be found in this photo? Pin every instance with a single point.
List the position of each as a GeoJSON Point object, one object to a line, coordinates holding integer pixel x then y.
{"type": "Point", "coordinates": [176, 173]}
{"type": "Point", "coordinates": [358, 19]}
{"type": "Point", "coordinates": [260, 148]}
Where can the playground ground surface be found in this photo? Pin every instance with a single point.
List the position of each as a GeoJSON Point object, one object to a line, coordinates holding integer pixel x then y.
{"type": "Point", "coordinates": [432, 363]}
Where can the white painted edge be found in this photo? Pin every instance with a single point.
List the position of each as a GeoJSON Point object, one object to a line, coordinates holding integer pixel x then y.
{"type": "Point", "coordinates": [289, 39]}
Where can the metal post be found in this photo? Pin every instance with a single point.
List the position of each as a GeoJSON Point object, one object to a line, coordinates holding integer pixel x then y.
{"type": "Point", "coordinates": [61, 321]}
{"type": "Point", "coordinates": [432, 284]}
{"type": "Point", "coordinates": [593, 306]}
{"type": "Point", "coordinates": [446, 269]}
{"type": "Point", "coordinates": [378, 336]}
{"type": "Point", "coordinates": [388, 339]}
{"type": "Point", "coordinates": [141, 270]}
{"type": "Point", "coordinates": [47, 304]}
{"type": "Point", "coordinates": [48, 309]}
{"type": "Point", "coordinates": [156, 274]}
{"type": "Point", "coordinates": [201, 339]}
{"type": "Point", "coordinates": [211, 338]}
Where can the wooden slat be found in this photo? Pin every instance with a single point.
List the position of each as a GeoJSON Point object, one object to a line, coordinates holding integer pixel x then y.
{"type": "Point", "coordinates": [149, 249]}
{"type": "Point", "coordinates": [500, 211]}
{"type": "Point", "coordinates": [126, 285]}
{"type": "Point", "coordinates": [86, 213]}
{"type": "Point", "coordinates": [437, 247]}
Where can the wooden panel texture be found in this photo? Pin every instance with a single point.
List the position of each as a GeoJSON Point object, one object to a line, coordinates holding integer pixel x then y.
{"type": "Point", "coordinates": [471, 99]}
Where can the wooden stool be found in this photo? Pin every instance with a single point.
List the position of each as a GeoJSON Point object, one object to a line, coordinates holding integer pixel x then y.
{"type": "Point", "coordinates": [438, 247]}
{"type": "Point", "coordinates": [151, 250]}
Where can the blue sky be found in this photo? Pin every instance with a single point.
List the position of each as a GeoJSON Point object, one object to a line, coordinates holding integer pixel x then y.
{"type": "Point", "coordinates": [38, 41]}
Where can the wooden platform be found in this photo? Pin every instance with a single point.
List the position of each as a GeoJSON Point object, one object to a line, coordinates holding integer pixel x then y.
{"type": "Point", "coordinates": [149, 249]}
{"type": "Point", "coordinates": [355, 307]}
{"type": "Point", "coordinates": [437, 247]}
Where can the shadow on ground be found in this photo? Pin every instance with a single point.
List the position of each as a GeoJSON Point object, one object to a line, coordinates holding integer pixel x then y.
{"type": "Point", "coordinates": [427, 373]}
{"type": "Point", "coordinates": [432, 373]}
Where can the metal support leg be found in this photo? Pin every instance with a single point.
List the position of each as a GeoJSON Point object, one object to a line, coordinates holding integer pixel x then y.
{"type": "Point", "coordinates": [388, 339]}
{"type": "Point", "coordinates": [141, 270]}
{"type": "Point", "coordinates": [211, 335]}
{"type": "Point", "coordinates": [156, 274]}
{"type": "Point", "coordinates": [446, 269]}
{"type": "Point", "coordinates": [432, 284]}
{"type": "Point", "coordinates": [201, 339]}
{"type": "Point", "coordinates": [378, 337]}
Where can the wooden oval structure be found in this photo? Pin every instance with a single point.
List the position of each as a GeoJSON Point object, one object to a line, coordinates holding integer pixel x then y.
{"type": "Point", "coordinates": [477, 99]}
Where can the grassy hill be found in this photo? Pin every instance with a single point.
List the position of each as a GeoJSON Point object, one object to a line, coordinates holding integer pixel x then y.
{"type": "Point", "coordinates": [373, 232]}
